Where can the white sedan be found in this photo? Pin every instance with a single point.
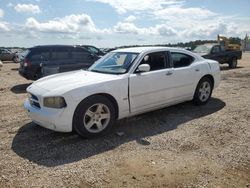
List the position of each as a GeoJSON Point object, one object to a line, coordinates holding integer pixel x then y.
{"type": "Point", "coordinates": [123, 83]}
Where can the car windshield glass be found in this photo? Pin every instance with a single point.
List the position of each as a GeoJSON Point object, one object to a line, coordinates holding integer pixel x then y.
{"type": "Point", "coordinates": [114, 63]}
{"type": "Point", "coordinates": [203, 49]}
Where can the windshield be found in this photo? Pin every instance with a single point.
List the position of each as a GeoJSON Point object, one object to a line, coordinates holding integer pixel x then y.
{"type": "Point", "coordinates": [114, 63]}
{"type": "Point", "coordinates": [203, 49]}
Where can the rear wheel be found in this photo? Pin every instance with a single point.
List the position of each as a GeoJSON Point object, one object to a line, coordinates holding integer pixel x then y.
{"type": "Point", "coordinates": [203, 91]}
{"type": "Point", "coordinates": [233, 63]}
{"type": "Point", "coordinates": [94, 116]}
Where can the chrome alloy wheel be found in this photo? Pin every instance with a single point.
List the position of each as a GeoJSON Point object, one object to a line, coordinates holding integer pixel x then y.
{"type": "Point", "coordinates": [204, 91]}
{"type": "Point", "coordinates": [96, 118]}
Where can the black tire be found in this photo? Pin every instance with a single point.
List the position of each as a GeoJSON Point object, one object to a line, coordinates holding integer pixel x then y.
{"type": "Point", "coordinates": [81, 118]}
{"type": "Point", "coordinates": [199, 98]}
{"type": "Point", "coordinates": [233, 63]}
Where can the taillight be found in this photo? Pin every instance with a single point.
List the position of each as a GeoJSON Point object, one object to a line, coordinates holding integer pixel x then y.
{"type": "Point", "coordinates": [27, 63]}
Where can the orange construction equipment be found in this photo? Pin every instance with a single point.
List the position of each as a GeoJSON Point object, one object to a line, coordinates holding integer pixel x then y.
{"type": "Point", "coordinates": [224, 41]}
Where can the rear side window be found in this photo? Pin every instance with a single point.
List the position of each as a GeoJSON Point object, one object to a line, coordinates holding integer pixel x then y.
{"type": "Point", "coordinates": [181, 59]}
{"type": "Point", "coordinates": [39, 55]}
{"type": "Point", "coordinates": [79, 53]}
{"type": "Point", "coordinates": [60, 53]}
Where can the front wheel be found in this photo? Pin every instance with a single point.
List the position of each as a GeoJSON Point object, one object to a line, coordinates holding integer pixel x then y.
{"type": "Point", "coordinates": [203, 91]}
{"type": "Point", "coordinates": [94, 116]}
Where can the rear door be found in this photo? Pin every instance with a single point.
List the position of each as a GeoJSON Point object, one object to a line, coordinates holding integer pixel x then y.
{"type": "Point", "coordinates": [185, 75]}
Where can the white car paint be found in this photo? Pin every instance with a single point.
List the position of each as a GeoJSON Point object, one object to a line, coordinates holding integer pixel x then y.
{"type": "Point", "coordinates": [134, 93]}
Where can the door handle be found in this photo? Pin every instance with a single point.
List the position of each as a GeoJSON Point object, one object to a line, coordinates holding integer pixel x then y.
{"type": "Point", "coordinates": [169, 73]}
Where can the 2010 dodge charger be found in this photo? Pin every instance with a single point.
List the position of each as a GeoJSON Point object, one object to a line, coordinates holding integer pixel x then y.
{"type": "Point", "coordinates": [123, 83]}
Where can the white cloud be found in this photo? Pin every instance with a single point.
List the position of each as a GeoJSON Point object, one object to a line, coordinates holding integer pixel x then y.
{"type": "Point", "coordinates": [30, 8]}
{"type": "Point", "coordinates": [4, 27]}
{"type": "Point", "coordinates": [180, 13]}
{"type": "Point", "coordinates": [127, 28]}
{"type": "Point", "coordinates": [123, 6]}
{"type": "Point", "coordinates": [157, 30]}
{"type": "Point", "coordinates": [131, 18]}
{"type": "Point", "coordinates": [71, 24]}
{"type": "Point", "coordinates": [165, 30]}
{"type": "Point", "coordinates": [1, 13]}
{"type": "Point", "coordinates": [206, 31]}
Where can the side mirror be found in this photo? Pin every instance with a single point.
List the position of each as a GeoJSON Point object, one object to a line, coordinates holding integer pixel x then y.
{"type": "Point", "coordinates": [144, 68]}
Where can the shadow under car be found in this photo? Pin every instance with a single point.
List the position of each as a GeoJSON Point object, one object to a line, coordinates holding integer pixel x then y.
{"type": "Point", "coordinates": [49, 148]}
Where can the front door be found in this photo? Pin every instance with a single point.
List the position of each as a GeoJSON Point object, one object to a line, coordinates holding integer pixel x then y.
{"type": "Point", "coordinates": [151, 89]}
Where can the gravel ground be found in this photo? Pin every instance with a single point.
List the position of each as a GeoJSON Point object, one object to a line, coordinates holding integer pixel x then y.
{"type": "Point", "coordinates": [179, 146]}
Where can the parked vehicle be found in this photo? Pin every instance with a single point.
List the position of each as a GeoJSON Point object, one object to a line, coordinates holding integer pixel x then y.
{"type": "Point", "coordinates": [123, 83]}
{"type": "Point", "coordinates": [218, 53]}
{"type": "Point", "coordinates": [94, 50]}
{"type": "Point", "coordinates": [1, 63]}
{"type": "Point", "coordinates": [41, 61]}
{"type": "Point", "coordinates": [7, 55]}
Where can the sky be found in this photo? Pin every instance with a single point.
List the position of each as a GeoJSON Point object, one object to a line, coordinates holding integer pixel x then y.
{"type": "Point", "coordinates": [110, 23]}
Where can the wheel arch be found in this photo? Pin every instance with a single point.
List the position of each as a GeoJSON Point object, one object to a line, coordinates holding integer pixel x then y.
{"type": "Point", "coordinates": [210, 77]}
{"type": "Point", "coordinates": [108, 96]}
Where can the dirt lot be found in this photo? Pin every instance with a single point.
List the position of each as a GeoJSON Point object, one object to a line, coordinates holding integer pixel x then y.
{"type": "Point", "coordinates": [179, 146]}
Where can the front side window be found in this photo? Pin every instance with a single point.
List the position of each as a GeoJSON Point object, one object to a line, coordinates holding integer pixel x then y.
{"type": "Point", "coordinates": [181, 59]}
{"type": "Point", "coordinates": [114, 63]}
{"type": "Point", "coordinates": [156, 61]}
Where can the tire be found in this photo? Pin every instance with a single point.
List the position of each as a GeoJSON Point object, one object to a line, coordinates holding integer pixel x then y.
{"type": "Point", "coordinates": [15, 59]}
{"type": "Point", "coordinates": [203, 91]}
{"type": "Point", "coordinates": [94, 116]}
{"type": "Point", "coordinates": [233, 63]}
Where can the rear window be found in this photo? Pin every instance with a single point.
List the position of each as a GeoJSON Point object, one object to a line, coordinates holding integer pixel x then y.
{"type": "Point", "coordinates": [23, 54]}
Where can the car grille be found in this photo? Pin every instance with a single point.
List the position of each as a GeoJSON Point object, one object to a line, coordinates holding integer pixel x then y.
{"type": "Point", "coordinates": [34, 100]}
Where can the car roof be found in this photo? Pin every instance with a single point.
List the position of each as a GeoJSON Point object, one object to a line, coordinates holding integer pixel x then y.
{"type": "Point", "coordinates": [145, 49]}
{"type": "Point", "coordinates": [52, 46]}
{"type": "Point", "coordinates": [155, 49]}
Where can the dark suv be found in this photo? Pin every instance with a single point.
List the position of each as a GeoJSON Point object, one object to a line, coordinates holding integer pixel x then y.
{"type": "Point", "coordinates": [41, 61]}
{"type": "Point", "coordinates": [94, 50]}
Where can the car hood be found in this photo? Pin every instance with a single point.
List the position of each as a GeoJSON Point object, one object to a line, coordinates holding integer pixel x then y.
{"type": "Point", "coordinates": [71, 80]}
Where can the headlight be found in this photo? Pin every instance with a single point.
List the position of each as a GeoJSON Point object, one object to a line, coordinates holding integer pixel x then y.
{"type": "Point", "coordinates": [54, 102]}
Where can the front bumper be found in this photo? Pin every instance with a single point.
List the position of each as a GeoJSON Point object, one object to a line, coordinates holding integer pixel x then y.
{"type": "Point", "coordinates": [52, 119]}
